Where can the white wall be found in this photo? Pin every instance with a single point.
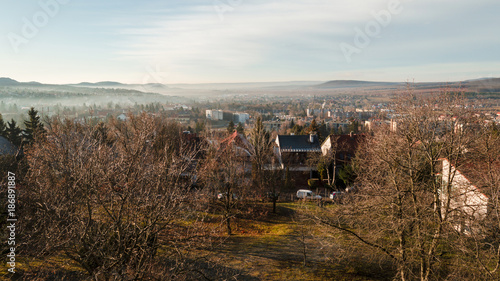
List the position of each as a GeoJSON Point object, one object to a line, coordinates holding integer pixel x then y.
{"type": "Point", "coordinates": [466, 202]}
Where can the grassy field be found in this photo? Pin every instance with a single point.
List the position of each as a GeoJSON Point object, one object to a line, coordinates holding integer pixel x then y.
{"type": "Point", "coordinates": [264, 246]}
{"type": "Point", "coordinates": [272, 248]}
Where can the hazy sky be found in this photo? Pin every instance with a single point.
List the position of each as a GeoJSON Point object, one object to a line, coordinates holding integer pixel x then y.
{"type": "Point", "coordinates": [198, 41]}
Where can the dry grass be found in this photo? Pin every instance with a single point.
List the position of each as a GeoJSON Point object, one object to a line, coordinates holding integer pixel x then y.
{"type": "Point", "coordinates": [266, 246]}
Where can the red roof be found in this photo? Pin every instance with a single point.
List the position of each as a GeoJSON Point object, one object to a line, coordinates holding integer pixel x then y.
{"type": "Point", "coordinates": [238, 140]}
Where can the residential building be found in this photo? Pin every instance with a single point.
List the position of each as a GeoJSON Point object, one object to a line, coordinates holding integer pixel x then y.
{"type": "Point", "coordinates": [240, 118]}
{"type": "Point", "coordinates": [214, 114]}
{"type": "Point", "coordinates": [341, 149]}
{"type": "Point", "coordinates": [344, 146]}
{"type": "Point", "coordinates": [294, 150]}
{"type": "Point", "coordinates": [464, 195]}
{"type": "Point", "coordinates": [272, 125]}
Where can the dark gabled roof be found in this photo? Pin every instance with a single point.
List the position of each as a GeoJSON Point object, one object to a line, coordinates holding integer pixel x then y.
{"type": "Point", "coordinates": [298, 143]}
{"type": "Point", "coordinates": [7, 148]}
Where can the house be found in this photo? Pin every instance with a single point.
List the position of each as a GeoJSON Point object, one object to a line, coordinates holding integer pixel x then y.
{"type": "Point", "coordinates": [6, 147]}
{"type": "Point", "coordinates": [239, 143]}
{"type": "Point", "coordinates": [294, 150]}
{"type": "Point", "coordinates": [465, 194]}
{"type": "Point", "coordinates": [272, 125]}
{"type": "Point", "coordinates": [192, 146]}
{"type": "Point", "coordinates": [344, 146]}
{"type": "Point", "coordinates": [122, 117]}
{"type": "Point", "coordinates": [340, 150]}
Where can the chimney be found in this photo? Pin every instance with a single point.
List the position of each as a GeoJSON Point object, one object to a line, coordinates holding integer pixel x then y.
{"type": "Point", "coordinates": [312, 136]}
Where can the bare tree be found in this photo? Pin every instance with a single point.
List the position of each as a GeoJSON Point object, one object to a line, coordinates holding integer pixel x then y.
{"type": "Point", "coordinates": [399, 211]}
{"type": "Point", "coordinates": [223, 174]}
{"type": "Point", "coordinates": [274, 181]}
{"type": "Point", "coordinates": [482, 240]}
{"type": "Point", "coordinates": [109, 196]}
{"type": "Point", "coordinates": [266, 173]}
{"type": "Point", "coordinates": [327, 162]}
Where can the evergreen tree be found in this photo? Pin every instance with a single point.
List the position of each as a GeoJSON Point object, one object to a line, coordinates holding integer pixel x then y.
{"type": "Point", "coordinates": [200, 126]}
{"type": "Point", "coordinates": [230, 127]}
{"type": "Point", "coordinates": [297, 130]}
{"type": "Point", "coordinates": [14, 133]}
{"type": "Point", "coordinates": [340, 131]}
{"type": "Point", "coordinates": [323, 131]}
{"type": "Point", "coordinates": [2, 127]}
{"type": "Point", "coordinates": [353, 126]}
{"type": "Point", "coordinates": [334, 131]}
{"type": "Point", "coordinates": [33, 126]}
{"type": "Point", "coordinates": [314, 128]}
{"type": "Point", "coordinates": [240, 128]}
{"type": "Point", "coordinates": [260, 155]}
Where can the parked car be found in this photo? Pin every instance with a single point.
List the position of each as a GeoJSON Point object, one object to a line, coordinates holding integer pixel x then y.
{"type": "Point", "coordinates": [307, 194]}
{"type": "Point", "coordinates": [336, 195]}
{"type": "Point", "coordinates": [223, 195]}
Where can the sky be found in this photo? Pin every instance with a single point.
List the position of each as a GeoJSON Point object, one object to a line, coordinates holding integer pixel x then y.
{"type": "Point", "coordinates": [228, 41]}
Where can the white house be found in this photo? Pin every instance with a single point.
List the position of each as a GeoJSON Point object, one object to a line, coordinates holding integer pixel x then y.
{"type": "Point", "coordinates": [122, 117]}
{"type": "Point", "coordinates": [461, 198]}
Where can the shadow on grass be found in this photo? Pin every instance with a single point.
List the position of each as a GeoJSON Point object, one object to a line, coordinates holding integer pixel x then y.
{"type": "Point", "coordinates": [166, 270]}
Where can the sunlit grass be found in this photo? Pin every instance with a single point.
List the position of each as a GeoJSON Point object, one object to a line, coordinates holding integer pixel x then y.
{"type": "Point", "coordinates": [263, 245]}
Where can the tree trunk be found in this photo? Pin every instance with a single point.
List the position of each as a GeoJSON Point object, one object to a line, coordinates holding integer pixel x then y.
{"type": "Point", "coordinates": [228, 224]}
{"type": "Point", "coordinates": [334, 168]}
{"type": "Point", "coordinates": [402, 252]}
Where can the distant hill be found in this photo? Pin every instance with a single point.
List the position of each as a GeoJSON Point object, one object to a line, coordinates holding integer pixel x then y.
{"type": "Point", "coordinates": [36, 89]}
{"type": "Point", "coordinates": [8, 82]}
{"type": "Point", "coordinates": [101, 84]}
{"type": "Point", "coordinates": [336, 84]}
{"type": "Point", "coordinates": [482, 85]}
{"type": "Point", "coordinates": [4, 81]}
{"type": "Point", "coordinates": [246, 85]}
{"type": "Point", "coordinates": [486, 85]}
